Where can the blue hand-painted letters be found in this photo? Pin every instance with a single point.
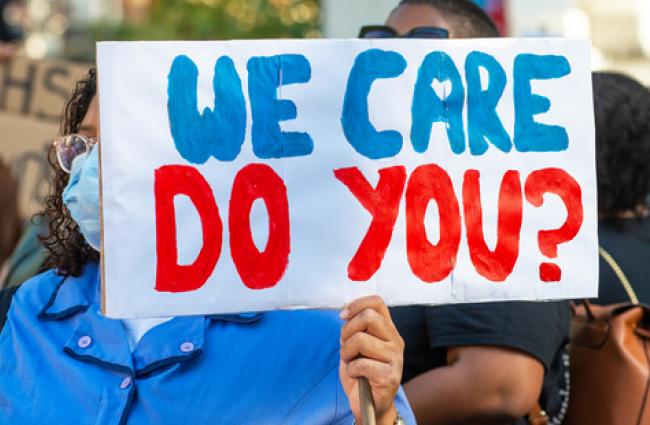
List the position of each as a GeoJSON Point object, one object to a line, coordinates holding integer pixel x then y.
{"type": "Point", "coordinates": [483, 122]}
{"type": "Point", "coordinates": [369, 66]}
{"type": "Point", "coordinates": [265, 76]}
{"type": "Point", "coordinates": [428, 108]}
{"type": "Point", "coordinates": [531, 136]}
{"type": "Point", "coordinates": [220, 132]}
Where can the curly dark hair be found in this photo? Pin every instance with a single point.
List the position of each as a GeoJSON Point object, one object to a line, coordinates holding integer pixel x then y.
{"type": "Point", "coordinates": [622, 112]}
{"type": "Point", "coordinates": [67, 250]}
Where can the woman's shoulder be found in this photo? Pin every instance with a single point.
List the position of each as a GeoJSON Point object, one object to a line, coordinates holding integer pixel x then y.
{"type": "Point", "coordinates": [315, 334]}
{"type": "Point", "coordinates": [317, 330]}
{"type": "Point", "coordinates": [34, 293]}
{"type": "Point", "coordinates": [312, 321]}
{"type": "Point", "coordinates": [39, 288]}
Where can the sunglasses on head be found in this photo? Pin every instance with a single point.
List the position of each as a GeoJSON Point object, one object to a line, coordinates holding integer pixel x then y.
{"type": "Point", "coordinates": [383, 31]}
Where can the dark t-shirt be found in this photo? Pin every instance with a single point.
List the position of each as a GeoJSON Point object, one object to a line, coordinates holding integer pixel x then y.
{"type": "Point", "coordinates": [628, 242]}
{"type": "Point", "coordinates": [540, 329]}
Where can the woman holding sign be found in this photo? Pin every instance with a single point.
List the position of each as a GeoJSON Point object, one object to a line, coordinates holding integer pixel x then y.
{"type": "Point", "coordinates": [63, 362]}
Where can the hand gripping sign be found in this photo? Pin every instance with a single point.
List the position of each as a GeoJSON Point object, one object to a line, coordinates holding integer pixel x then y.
{"type": "Point", "coordinates": [254, 175]}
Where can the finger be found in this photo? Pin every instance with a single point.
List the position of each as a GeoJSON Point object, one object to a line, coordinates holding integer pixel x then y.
{"type": "Point", "coordinates": [365, 345]}
{"type": "Point", "coordinates": [371, 322]}
{"type": "Point", "coordinates": [380, 375]}
{"type": "Point", "coordinates": [374, 302]}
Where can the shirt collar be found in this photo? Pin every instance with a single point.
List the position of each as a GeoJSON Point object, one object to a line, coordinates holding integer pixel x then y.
{"type": "Point", "coordinates": [74, 294]}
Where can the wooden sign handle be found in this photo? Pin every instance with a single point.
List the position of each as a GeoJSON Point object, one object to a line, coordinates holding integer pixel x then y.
{"type": "Point", "coordinates": [366, 403]}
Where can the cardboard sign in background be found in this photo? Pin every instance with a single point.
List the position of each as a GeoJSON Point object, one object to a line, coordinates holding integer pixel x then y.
{"type": "Point", "coordinates": [139, 113]}
{"type": "Point", "coordinates": [36, 88]}
{"type": "Point", "coordinates": [32, 96]}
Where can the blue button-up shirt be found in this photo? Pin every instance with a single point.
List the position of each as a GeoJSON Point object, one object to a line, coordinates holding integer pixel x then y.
{"type": "Point", "coordinates": [61, 362]}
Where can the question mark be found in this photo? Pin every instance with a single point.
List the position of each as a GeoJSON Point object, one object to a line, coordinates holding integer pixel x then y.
{"type": "Point", "coordinates": [560, 183]}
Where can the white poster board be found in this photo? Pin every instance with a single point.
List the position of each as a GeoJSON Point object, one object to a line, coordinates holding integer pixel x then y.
{"type": "Point", "coordinates": [245, 175]}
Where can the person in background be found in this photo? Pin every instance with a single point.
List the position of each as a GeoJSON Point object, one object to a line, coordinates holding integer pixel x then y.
{"type": "Point", "coordinates": [9, 35]}
{"type": "Point", "coordinates": [28, 256]}
{"type": "Point", "coordinates": [62, 362]}
{"type": "Point", "coordinates": [622, 114]}
{"type": "Point", "coordinates": [9, 217]}
{"type": "Point", "coordinates": [492, 363]}
{"type": "Point", "coordinates": [460, 18]}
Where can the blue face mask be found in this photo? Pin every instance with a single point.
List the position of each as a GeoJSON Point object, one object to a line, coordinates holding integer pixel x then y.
{"type": "Point", "coordinates": [81, 196]}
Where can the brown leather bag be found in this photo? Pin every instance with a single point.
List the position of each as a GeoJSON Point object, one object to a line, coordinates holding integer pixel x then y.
{"type": "Point", "coordinates": [610, 362]}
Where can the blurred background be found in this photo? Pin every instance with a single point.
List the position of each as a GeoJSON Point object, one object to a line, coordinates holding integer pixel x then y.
{"type": "Point", "coordinates": [47, 45]}
{"type": "Point", "coordinates": [620, 30]}
{"type": "Point", "coordinates": [67, 29]}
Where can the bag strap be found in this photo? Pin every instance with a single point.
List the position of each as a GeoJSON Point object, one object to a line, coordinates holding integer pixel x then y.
{"type": "Point", "coordinates": [619, 273]}
{"type": "Point", "coordinates": [537, 416]}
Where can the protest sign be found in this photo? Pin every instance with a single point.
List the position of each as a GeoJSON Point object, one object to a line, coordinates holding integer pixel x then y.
{"type": "Point", "coordinates": [253, 175]}
{"type": "Point", "coordinates": [37, 88]}
{"type": "Point", "coordinates": [24, 145]}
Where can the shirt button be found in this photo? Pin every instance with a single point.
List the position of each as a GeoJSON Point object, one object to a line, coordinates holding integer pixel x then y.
{"type": "Point", "coordinates": [126, 383]}
{"type": "Point", "coordinates": [187, 347]}
{"type": "Point", "coordinates": [84, 341]}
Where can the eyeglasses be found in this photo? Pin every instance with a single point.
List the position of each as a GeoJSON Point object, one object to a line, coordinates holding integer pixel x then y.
{"type": "Point", "coordinates": [383, 31]}
{"type": "Point", "coordinates": [70, 147]}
